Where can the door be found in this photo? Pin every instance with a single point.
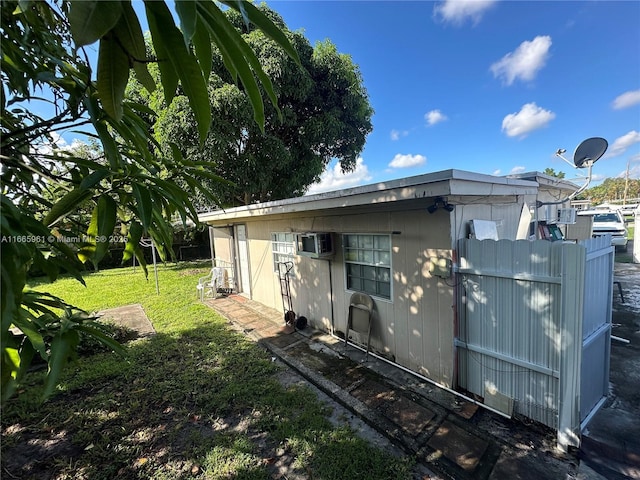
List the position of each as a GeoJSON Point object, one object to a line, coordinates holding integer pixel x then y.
{"type": "Point", "coordinates": [243, 259]}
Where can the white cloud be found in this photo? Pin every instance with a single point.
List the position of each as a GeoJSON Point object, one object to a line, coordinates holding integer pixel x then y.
{"type": "Point", "coordinates": [496, 172]}
{"type": "Point", "coordinates": [334, 179]}
{"type": "Point", "coordinates": [434, 116]}
{"type": "Point", "coordinates": [396, 134]}
{"type": "Point", "coordinates": [627, 99]}
{"type": "Point", "coordinates": [458, 11]}
{"type": "Point", "coordinates": [529, 118]}
{"type": "Point", "coordinates": [524, 62]}
{"type": "Point", "coordinates": [406, 161]}
{"type": "Point", "coordinates": [47, 146]}
{"type": "Point", "coordinates": [516, 170]}
{"type": "Point", "coordinates": [620, 144]}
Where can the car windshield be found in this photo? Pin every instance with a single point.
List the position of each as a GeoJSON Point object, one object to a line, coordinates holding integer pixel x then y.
{"type": "Point", "coordinates": [606, 217]}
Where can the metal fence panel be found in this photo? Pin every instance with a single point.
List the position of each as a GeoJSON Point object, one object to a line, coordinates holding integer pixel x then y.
{"type": "Point", "coordinates": [596, 333]}
{"type": "Point", "coordinates": [534, 327]}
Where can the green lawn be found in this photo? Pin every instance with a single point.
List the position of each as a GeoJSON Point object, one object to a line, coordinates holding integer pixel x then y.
{"type": "Point", "coordinates": [198, 400]}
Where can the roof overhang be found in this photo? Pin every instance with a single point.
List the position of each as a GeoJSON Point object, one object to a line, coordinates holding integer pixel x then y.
{"type": "Point", "coordinates": [443, 183]}
{"type": "Point", "coordinates": [546, 181]}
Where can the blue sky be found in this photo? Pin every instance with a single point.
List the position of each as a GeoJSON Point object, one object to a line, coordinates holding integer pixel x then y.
{"type": "Point", "coordinates": [485, 86]}
{"type": "Point", "coordinates": [494, 87]}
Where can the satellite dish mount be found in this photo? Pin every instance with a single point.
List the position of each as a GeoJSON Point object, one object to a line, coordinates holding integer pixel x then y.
{"type": "Point", "coordinates": [586, 154]}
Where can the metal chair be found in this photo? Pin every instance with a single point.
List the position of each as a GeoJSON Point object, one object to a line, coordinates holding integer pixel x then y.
{"type": "Point", "coordinates": [359, 318]}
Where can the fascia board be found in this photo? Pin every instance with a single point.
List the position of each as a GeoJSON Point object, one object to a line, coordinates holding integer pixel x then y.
{"type": "Point", "coordinates": [446, 182]}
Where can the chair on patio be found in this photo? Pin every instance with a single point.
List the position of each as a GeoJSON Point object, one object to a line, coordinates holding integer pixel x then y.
{"type": "Point", "coordinates": [217, 282]}
{"type": "Point", "coordinates": [359, 318]}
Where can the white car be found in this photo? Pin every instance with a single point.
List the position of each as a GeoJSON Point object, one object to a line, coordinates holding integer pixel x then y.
{"type": "Point", "coordinates": [609, 222]}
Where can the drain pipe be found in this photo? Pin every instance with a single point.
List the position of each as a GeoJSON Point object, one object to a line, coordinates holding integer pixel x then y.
{"type": "Point", "coordinates": [333, 328]}
{"type": "Point", "coordinates": [421, 377]}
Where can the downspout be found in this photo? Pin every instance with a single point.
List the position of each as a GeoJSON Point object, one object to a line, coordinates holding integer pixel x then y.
{"type": "Point", "coordinates": [331, 296]}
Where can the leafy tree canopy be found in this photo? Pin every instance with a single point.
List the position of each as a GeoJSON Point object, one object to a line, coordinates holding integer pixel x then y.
{"type": "Point", "coordinates": [552, 173]}
{"type": "Point", "coordinates": [43, 189]}
{"type": "Point", "coordinates": [612, 189]}
{"type": "Point", "coordinates": [325, 115]}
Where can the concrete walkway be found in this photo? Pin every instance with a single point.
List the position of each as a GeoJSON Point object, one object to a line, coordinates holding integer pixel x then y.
{"type": "Point", "coordinates": [131, 316]}
{"type": "Point", "coordinates": [448, 435]}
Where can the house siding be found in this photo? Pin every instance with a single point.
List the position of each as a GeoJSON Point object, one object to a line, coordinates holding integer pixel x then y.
{"type": "Point", "coordinates": [415, 328]}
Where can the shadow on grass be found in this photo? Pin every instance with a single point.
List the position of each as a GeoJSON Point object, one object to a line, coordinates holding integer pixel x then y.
{"type": "Point", "coordinates": [203, 403]}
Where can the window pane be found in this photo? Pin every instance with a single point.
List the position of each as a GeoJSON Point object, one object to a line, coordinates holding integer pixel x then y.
{"type": "Point", "coordinates": [384, 290]}
{"type": "Point", "coordinates": [365, 256]}
{"type": "Point", "coordinates": [351, 255]}
{"type": "Point", "coordinates": [383, 275]}
{"type": "Point", "coordinates": [353, 270]}
{"type": "Point", "coordinates": [367, 261]}
{"type": "Point", "coordinates": [382, 242]}
{"type": "Point", "coordinates": [351, 241]}
{"type": "Point", "coordinates": [354, 283]}
{"type": "Point", "coordinates": [369, 273]}
{"type": "Point", "coordinates": [369, 286]}
{"type": "Point", "coordinates": [365, 241]}
{"type": "Point", "coordinates": [382, 258]}
{"type": "Point", "coordinates": [283, 249]}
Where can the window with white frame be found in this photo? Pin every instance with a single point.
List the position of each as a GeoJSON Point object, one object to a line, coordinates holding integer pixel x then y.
{"type": "Point", "coordinates": [367, 260]}
{"type": "Point", "coordinates": [283, 247]}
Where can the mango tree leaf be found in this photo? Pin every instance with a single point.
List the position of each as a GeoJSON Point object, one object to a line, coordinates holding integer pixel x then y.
{"type": "Point", "coordinates": [129, 35]}
{"type": "Point", "coordinates": [187, 12]}
{"type": "Point", "coordinates": [168, 74]}
{"type": "Point", "coordinates": [113, 75]}
{"type": "Point", "coordinates": [144, 205]}
{"type": "Point", "coordinates": [94, 178]}
{"type": "Point", "coordinates": [202, 43]}
{"type": "Point", "coordinates": [133, 240]}
{"type": "Point", "coordinates": [108, 143]}
{"type": "Point", "coordinates": [184, 62]}
{"type": "Point", "coordinates": [260, 20]}
{"type": "Point", "coordinates": [224, 34]}
{"type": "Point", "coordinates": [62, 349]}
{"type": "Point", "coordinates": [66, 205]}
{"type": "Point", "coordinates": [102, 338]}
{"type": "Point", "coordinates": [91, 19]}
{"type": "Point", "coordinates": [10, 369]}
{"type": "Point", "coordinates": [103, 222]}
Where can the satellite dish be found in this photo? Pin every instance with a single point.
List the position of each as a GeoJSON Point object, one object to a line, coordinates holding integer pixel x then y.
{"type": "Point", "coordinates": [586, 154]}
{"type": "Point", "coordinates": [589, 151]}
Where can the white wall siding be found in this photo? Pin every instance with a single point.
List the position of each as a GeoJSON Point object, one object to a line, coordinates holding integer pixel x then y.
{"type": "Point", "coordinates": [415, 327]}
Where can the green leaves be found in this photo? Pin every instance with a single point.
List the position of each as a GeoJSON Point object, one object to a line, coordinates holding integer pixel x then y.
{"type": "Point", "coordinates": [103, 223]}
{"type": "Point", "coordinates": [48, 196]}
{"type": "Point", "coordinates": [165, 33]}
{"type": "Point", "coordinates": [90, 20]}
{"type": "Point", "coordinates": [65, 205]}
{"type": "Point", "coordinates": [113, 75]}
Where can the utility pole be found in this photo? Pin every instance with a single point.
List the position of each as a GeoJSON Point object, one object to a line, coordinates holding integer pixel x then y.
{"type": "Point", "coordinates": [626, 183]}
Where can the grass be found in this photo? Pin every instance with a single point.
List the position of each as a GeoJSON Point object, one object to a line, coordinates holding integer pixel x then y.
{"type": "Point", "coordinates": [197, 400]}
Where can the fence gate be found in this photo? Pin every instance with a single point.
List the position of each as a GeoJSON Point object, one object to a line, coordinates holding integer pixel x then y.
{"type": "Point", "coordinates": [523, 341]}
{"type": "Point", "coordinates": [596, 329]}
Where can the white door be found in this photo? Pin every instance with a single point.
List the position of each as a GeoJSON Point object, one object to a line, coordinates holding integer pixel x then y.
{"type": "Point", "coordinates": [243, 259]}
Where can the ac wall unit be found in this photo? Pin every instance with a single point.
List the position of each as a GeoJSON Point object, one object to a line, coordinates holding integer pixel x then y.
{"type": "Point", "coordinates": [566, 216]}
{"type": "Point", "coordinates": [314, 245]}
{"type": "Point", "coordinates": [548, 214]}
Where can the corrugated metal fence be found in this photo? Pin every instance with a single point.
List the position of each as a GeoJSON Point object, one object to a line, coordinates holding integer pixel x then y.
{"type": "Point", "coordinates": [521, 325]}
